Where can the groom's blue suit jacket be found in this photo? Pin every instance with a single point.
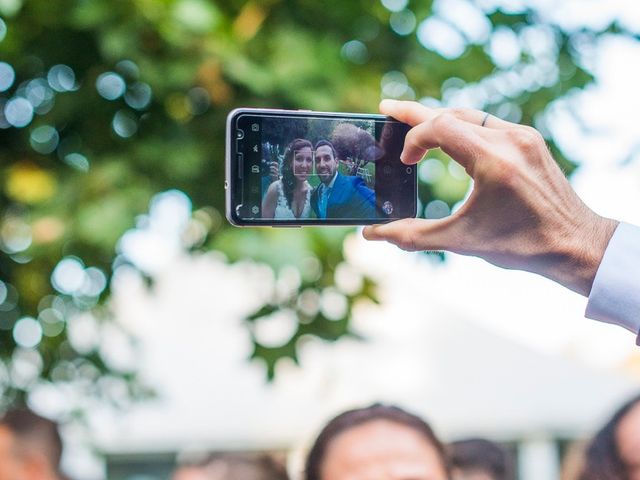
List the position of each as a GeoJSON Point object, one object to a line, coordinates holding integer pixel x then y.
{"type": "Point", "coordinates": [349, 198]}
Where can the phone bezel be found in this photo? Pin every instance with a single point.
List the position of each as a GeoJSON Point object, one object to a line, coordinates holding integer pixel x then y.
{"type": "Point", "coordinates": [231, 181]}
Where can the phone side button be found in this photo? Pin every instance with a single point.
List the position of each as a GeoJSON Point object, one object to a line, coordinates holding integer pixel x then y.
{"type": "Point", "coordinates": [226, 185]}
{"type": "Point", "coordinates": [285, 226]}
{"type": "Point", "coordinates": [240, 166]}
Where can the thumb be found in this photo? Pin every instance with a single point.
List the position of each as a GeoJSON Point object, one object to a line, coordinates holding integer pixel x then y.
{"type": "Point", "coordinates": [414, 234]}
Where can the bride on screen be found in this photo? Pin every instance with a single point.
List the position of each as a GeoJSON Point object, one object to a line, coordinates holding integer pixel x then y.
{"type": "Point", "coordinates": [290, 197]}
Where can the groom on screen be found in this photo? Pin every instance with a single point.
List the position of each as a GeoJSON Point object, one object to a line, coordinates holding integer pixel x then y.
{"type": "Point", "coordinates": [337, 195]}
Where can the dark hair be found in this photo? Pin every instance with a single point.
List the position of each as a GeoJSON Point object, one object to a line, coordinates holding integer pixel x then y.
{"type": "Point", "coordinates": [31, 429]}
{"type": "Point", "coordinates": [288, 177]}
{"type": "Point", "coordinates": [602, 458]}
{"type": "Point", "coordinates": [326, 143]}
{"type": "Point", "coordinates": [478, 454]}
{"type": "Point", "coordinates": [246, 466]}
{"type": "Point", "coordinates": [360, 416]}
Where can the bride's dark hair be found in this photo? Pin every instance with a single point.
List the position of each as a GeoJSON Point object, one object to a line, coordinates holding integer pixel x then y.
{"type": "Point", "coordinates": [288, 178]}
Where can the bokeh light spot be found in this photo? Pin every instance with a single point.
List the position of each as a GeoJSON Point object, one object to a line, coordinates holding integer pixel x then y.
{"type": "Point", "coordinates": [333, 304]}
{"type": "Point", "coordinates": [138, 96]}
{"type": "Point", "coordinates": [52, 322]}
{"type": "Point", "coordinates": [394, 84]}
{"type": "Point", "coordinates": [309, 302]}
{"type": "Point", "coordinates": [504, 47]}
{"type": "Point", "coordinates": [431, 170]}
{"type": "Point", "coordinates": [110, 85]}
{"type": "Point", "coordinates": [395, 5]}
{"type": "Point", "coordinates": [439, 36]}
{"type": "Point", "coordinates": [128, 69]}
{"type": "Point", "coordinates": [29, 183]}
{"type": "Point", "coordinates": [62, 78]}
{"type": "Point", "coordinates": [355, 51]}
{"type": "Point", "coordinates": [467, 18]}
{"type": "Point", "coordinates": [18, 112]}
{"type": "Point", "coordinates": [178, 108]}
{"type": "Point", "coordinates": [198, 16]}
{"type": "Point", "coordinates": [39, 93]}
{"type": "Point", "coordinates": [27, 332]}
{"type": "Point", "coordinates": [277, 329]}
{"type": "Point", "coordinates": [77, 161]}
{"type": "Point", "coordinates": [124, 124]}
{"type": "Point", "coordinates": [457, 171]}
{"type": "Point", "coordinates": [44, 139]}
{"type": "Point", "coordinates": [436, 209]}
{"type": "Point", "coordinates": [3, 29]}
{"type": "Point", "coordinates": [94, 283]}
{"type": "Point", "coordinates": [7, 76]}
{"type": "Point", "coordinates": [15, 234]}
{"type": "Point", "coordinates": [199, 100]}
{"type": "Point", "coordinates": [68, 276]}
{"type": "Point", "coordinates": [403, 22]}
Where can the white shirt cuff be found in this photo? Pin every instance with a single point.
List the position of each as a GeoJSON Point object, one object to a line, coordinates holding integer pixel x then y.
{"type": "Point", "coordinates": [615, 294]}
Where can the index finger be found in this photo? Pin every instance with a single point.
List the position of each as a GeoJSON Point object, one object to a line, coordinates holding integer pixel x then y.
{"type": "Point", "coordinates": [462, 141]}
{"type": "Point", "coordinates": [413, 113]}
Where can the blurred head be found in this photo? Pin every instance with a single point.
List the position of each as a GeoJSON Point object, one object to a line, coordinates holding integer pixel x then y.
{"type": "Point", "coordinates": [376, 443]}
{"type": "Point", "coordinates": [355, 144]}
{"type": "Point", "coordinates": [231, 466]}
{"type": "Point", "coordinates": [614, 452]}
{"type": "Point", "coordinates": [297, 166]}
{"type": "Point", "coordinates": [326, 161]}
{"type": "Point", "coordinates": [478, 459]}
{"type": "Point", "coordinates": [30, 446]}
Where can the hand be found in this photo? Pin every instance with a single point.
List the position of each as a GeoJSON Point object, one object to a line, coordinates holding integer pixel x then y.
{"type": "Point", "coordinates": [274, 171]}
{"type": "Point", "coordinates": [522, 213]}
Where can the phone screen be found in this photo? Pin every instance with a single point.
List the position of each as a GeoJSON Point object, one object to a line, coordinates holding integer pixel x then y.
{"type": "Point", "coordinates": [296, 168]}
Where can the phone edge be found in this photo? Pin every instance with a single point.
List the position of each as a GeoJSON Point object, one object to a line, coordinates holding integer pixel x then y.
{"type": "Point", "coordinates": [239, 223]}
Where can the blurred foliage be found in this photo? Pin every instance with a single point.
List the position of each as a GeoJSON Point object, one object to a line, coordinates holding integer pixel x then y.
{"type": "Point", "coordinates": [114, 101]}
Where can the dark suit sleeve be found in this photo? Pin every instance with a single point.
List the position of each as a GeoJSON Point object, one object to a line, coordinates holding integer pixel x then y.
{"type": "Point", "coordinates": [363, 201]}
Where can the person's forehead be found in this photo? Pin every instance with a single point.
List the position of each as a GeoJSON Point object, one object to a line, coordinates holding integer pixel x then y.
{"type": "Point", "coordinates": [324, 150]}
{"type": "Point", "coordinates": [382, 450]}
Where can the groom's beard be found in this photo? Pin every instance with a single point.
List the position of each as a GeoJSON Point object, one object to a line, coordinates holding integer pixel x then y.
{"type": "Point", "coordinates": [326, 177]}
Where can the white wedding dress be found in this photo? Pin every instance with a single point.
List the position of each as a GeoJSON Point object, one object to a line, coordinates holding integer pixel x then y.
{"type": "Point", "coordinates": [284, 211]}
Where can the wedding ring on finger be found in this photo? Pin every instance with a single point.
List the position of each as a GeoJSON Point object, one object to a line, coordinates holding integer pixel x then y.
{"type": "Point", "coordinates": [484, 120]}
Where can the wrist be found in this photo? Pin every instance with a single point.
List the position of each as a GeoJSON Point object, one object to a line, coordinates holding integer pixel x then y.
{"type": "Point", "coordinates": [582, 253]}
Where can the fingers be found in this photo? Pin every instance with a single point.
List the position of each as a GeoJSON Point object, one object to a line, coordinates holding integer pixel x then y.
{"type": "Point", "coordinates": [413, 234]}
{"type": "Point", "coordinates": [274, 171]}
{"type": "Point", "coordinates": [411, 113]}
{"type": "Point", "coordinates": [464, 142]}
{"type": "Point", "coordinates": [476, 117]}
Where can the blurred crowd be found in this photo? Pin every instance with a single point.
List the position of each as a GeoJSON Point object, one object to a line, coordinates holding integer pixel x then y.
{"type": "Point", "coordinates": [378, 442]}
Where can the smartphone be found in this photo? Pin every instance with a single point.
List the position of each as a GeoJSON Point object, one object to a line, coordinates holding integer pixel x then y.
{"type": "Point", "coordinates": [288, 168]}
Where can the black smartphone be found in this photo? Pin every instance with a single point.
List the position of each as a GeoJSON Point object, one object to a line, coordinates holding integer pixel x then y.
{"type": "Point", "coordinates": [299, 168]}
